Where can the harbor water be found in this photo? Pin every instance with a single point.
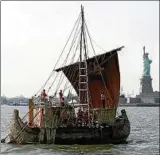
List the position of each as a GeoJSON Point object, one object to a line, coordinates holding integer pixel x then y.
{"type": "Point", "coordinates": [143, 139]}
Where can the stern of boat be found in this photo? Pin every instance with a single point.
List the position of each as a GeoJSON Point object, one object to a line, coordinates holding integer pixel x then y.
{"type": "Point", "coordinates": [121, 129]}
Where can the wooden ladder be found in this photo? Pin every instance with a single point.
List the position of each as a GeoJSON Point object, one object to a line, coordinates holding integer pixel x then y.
{"type": "Point", "coordinates": [83, 84]}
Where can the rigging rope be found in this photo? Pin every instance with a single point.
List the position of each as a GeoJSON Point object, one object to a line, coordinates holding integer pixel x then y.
{"type": "Point", "coordinates": [71, 78]}
{"type": "Point", "coordinates": [65, 61]}
{"type": "Point", "coordinates": [60, 54]}
{"type": "Point", "coordinates": [70, 69]}
{"type": "Point", "coordinates": [85, 32]}
{"type": "Point", "coordinates": [73, 41]}
{"type": "Point", "coordinates": [100, 64]}
{"type": "Point", "coordinates": [97, 59]}
{"type": "Point", "coordinates": [71, 63]}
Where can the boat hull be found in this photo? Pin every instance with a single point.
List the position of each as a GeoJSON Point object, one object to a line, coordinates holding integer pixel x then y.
{"type": "Point", "coordinates": [97, 134]}
{"type": "Point", "coordinates": [87, 136]}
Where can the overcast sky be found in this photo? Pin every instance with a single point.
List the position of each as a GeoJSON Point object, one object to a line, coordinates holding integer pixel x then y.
{"type": "Point", "coordinates": [34, 33]}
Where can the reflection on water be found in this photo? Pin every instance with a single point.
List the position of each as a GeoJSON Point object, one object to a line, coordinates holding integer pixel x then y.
{"type": "Point", "coordinates": [143, 140]}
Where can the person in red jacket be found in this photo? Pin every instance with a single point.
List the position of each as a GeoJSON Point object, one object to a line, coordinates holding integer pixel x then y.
{"type": "Point", "coordinates": [43, 95]}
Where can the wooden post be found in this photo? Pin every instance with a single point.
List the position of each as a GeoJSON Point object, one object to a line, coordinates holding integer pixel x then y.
{"type": "Point", "coordinates": [42, 135]}
{"type": "Point", "coordinates": [42, 128]}
{"type": "Point", "coordinates": [31, 108]}
{"type": "Point", "coordinates": [48, 135]}
{"type": "Point", "coordinates": [47, 122]}
{"type": "Point", "coordinates": [47, 110]}
{"type": "Point", "coordinates": [54, 127]}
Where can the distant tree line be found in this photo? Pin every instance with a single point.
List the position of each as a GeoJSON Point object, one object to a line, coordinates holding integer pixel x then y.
{"type": "Point", "coordinates": [14, 100]}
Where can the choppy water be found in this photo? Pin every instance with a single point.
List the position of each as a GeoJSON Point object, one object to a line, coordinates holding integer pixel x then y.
{"type": "Point", "coordinates": [143, 140]}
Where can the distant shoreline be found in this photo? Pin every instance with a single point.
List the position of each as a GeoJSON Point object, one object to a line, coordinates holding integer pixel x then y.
{"type": "Point", "coordinates": [140, 105]}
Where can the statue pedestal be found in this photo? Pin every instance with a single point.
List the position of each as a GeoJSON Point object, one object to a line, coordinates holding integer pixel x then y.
{"type": "Point", "coordinates": [146, 85]}
{"type": "Point", "coordinates": [146, 95]}
{"type": "Point", "coordinates": [147, 98]}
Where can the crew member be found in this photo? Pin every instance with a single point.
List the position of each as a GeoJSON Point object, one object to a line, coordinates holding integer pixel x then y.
{"type": "Point", "coordinates": [80, 117]}
{"type": "Point", "coordinates": [61, 101]}
{"type": "Point", "coordinates": [43, 95]}
{"type": "Point", "coordinates": [85, 117]}
{"type": "Point", "coordinates": [103, 99]}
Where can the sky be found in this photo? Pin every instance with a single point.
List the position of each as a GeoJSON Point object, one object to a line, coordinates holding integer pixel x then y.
{"type": "Point", "coordinates": [33, 35]}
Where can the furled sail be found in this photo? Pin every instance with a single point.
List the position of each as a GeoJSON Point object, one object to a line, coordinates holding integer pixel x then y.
{"type": "Point", "coordinates": [103, 76]}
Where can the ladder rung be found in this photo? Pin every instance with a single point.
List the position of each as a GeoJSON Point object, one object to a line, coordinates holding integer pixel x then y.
{"type": "Point", "coordinates": [82, 68]}
{"type": "Point", "coordinates": [82, 75]}
{"type": "Point", "coordinates": [80, 104]}
{"type": "Point", "coordinates": [82, 89]}
{"type": "Point", "coordinates": [83, 82]}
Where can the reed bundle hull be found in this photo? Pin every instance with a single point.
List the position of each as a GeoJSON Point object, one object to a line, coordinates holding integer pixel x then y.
{"type": "Point", "coordinates": [96, 134]}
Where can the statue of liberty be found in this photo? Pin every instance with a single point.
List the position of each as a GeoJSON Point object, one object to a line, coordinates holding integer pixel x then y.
{"type": "Point", "coordinates": [146, 63]}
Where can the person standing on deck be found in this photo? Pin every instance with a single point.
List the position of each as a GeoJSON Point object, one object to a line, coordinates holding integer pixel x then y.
{"type": "Point", "coordinates": [79, 117]}
{"type": "Point", "coordinates": [103, 99]}
{"type": "Point", "coordinates": [61, 101]}
{"type": "Point", "coordinates": [85, 117]}
{"type": "Point", "coordinates": [43, 95]}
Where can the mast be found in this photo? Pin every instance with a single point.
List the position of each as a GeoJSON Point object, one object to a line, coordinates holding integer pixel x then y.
{"type": "Point", "coordinates": [83, 71]}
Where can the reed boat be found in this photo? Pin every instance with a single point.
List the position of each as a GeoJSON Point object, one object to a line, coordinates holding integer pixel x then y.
{"type": "Point", "coordinates": [92, 118]}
